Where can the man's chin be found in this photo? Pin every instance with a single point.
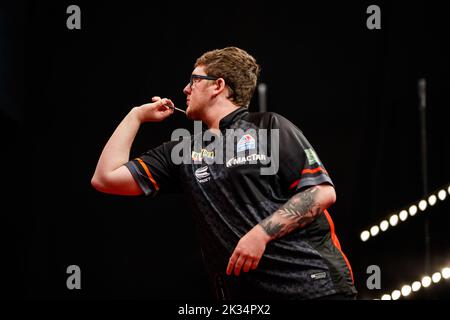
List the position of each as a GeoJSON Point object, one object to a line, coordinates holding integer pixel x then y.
{"type": "Point", "coordinates": [191, 115]}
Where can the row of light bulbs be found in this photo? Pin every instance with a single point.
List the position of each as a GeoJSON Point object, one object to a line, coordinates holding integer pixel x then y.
{"type": "Point", "coordinates": [426, 281]}
{"type": "Point", "coordinates": [394, 219]}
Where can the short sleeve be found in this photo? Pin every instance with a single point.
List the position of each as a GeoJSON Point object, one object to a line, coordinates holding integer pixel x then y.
{"type": "Point", "coordinates": [300, 166]}
{"type": "Point", "coordinates": [154, 170]}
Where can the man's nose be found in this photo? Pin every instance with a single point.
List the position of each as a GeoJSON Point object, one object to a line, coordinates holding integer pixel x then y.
{"type": "Point", "coordinates": [187, 89]}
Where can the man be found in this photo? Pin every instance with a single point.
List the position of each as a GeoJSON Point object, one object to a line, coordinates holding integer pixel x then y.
{"type": "Point", "coordinates": [265, 236]}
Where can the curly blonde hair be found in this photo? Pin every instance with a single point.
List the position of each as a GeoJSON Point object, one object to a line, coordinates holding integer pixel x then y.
{"type": "Point", "coordinates": [238, 68]}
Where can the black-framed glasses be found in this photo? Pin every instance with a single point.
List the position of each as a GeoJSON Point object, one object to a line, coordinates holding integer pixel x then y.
{"type": "Point", "coordinates": [198, 76]}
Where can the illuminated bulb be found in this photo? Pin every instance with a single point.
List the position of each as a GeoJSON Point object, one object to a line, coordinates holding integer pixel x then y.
{"type": "Point", "coordinates": [365, 235]}
{"type": "Point", "coordinates": [426, 281]}
{"type": "Point", "coordinates": [406, 290]}
{"type": "Point", "coordinates": [386, 297]}
{"type": "Point", "coordinates": [446, 273]}
{"type": "Point", "coordinates": [436, 277]}
{"type": "Point", "coordinates": [403, 215]}
{"type": "Point", "coordinates": [442, 194]}
{"type": "Point", "coordinates": [448, 189]}
{"type": "Point", "coordinates": [396, 294]}
{"type": "Point", "coordinates": [432, 200]}
{"type": "Point", "coordinates": [374, 231]}
{"type": "Point", "coordinates": [422, 205]}
{"type": "Point", "coordinates": [384, 225]}
{"type": "Point", "coordinates": [412, 210]}
{"type": "Point", "coordinates": [393, 220]}
{"type": "Point", "coordinates": [416, 286]}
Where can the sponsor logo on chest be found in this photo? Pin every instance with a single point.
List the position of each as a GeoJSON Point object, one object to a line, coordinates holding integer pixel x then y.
{"type": "Point", "coordinates": [199, 156]}
{"type": "Point", "coordinates": [202, 174]}
{"type": "Point", "coordinates": [253, 158]}
{"type": "Point", "coordinates": [247, 142]}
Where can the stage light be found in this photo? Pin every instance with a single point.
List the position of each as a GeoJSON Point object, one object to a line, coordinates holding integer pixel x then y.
{"type": "Point", "coordinates": [406, 290]}
{"type": "Point", "coordinates": [386, 297]}
{"type": "Point", "coordinates": [384, 225]}
{"type": "Point", "coordinates": [446, 273]}
{"type": "Point", "coordinates": [393, 220]}
{"type": "Point", "coordinates": [365, 235]}
{"type": "Point", "coordinates": [426, 281]}
{"type": "Point", "coordinates": [436, 277]}
{"type": "Point", "coordinates": [432, 200]}
{"type": "Point", "coordinates": [412, 210]}
{"type": "Point", "coordinates": [403, 215]}
{"type": "Point", "coordinates": [422, 205]}
{"type": "Point", "coordinates": [396, 294]}
{"type": "Point", "coordinates": [416, 286]}
{"type": "Point", "coordinates": [374, 231]}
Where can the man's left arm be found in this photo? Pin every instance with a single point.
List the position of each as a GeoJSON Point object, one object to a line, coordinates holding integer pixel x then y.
{"type": "Point", "coordinates": [298, 212]}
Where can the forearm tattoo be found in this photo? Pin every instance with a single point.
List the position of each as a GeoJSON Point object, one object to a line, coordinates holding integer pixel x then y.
{"type": "Point", "coordinates": [298, 212]}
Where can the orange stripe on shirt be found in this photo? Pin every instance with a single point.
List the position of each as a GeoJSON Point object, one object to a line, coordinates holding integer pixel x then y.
{"type": "Point", "coordinates": [336, 243]}
{"type": "Point", "coordinates": [314, 170]}
{"type": "Point", "coordinates": [149, 175]}
{"type": "Point", "coordinates": [294, 184]}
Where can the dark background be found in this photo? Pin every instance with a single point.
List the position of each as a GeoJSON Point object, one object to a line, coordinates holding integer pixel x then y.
{"type": "Point", "coordinates": [352, 91]}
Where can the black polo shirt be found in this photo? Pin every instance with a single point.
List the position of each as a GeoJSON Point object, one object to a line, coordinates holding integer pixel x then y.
{"type": "Point", "coordinates": [231, 196]}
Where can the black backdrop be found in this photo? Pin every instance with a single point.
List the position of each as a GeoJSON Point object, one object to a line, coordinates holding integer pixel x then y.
{"type": "Point", "coordinates": [353, 92]}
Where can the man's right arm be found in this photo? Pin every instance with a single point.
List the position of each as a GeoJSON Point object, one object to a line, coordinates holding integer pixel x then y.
{"type": "Point", "coordinates": [111, 175]}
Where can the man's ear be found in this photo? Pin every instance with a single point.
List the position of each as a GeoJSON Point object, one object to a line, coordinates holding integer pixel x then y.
{"type": "Point", "coordinates": [220, 86]}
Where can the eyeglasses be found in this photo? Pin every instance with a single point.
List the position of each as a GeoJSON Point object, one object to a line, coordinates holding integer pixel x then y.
{"type": "Point", "coordinates": [197, 76]}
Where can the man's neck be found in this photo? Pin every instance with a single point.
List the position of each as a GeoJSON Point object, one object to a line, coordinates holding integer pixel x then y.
{"type": "Point", "coordinates": [217, 113]}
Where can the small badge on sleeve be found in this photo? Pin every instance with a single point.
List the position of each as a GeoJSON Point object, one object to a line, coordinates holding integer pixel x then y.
{"type": "Point", "coordinates": [312, 156]}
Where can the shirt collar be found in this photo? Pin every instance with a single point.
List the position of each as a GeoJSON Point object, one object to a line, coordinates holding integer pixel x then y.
{"type": "Point", "coordinates": [232, 117]}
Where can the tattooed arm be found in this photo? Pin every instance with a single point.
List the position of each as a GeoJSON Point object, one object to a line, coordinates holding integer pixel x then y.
{"type": "Point", "coordinates": [298, 212]}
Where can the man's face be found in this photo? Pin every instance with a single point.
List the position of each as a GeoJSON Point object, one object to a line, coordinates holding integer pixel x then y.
{"type": "Point", "coordinates": [198, 95]}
